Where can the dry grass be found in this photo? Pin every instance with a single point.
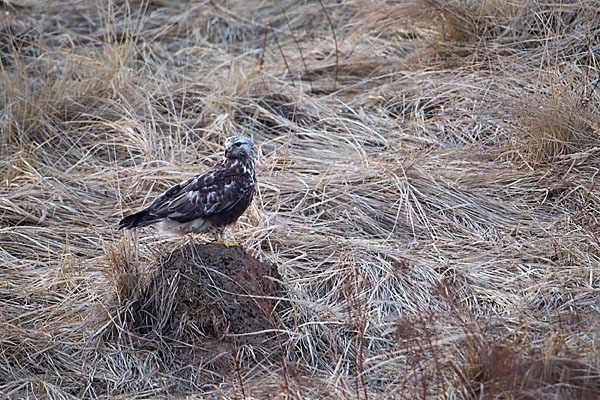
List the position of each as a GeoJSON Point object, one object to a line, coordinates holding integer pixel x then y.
{"type": "Point", "coordinates": [434, 217]}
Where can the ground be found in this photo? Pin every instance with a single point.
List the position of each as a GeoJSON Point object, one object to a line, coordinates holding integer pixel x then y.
{"type": "Point", "coordinates": [206, 304]}
{"type": "Point", "coordinates": [425, 224]}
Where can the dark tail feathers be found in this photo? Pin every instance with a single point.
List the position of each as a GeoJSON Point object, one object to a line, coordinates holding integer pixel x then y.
{"type": "Point", "coordinates": [140, 218]}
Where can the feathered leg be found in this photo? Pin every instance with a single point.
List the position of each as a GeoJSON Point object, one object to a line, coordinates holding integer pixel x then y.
{"type": "Point", "coordinates": [221, 236]}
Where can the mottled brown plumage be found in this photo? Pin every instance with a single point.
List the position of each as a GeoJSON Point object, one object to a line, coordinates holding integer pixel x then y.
{"type": "Point", "coordinates": [208, 202]}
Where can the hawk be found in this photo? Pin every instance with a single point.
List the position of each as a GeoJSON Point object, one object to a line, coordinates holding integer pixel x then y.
{"type": "Point", "coordinates": [208, 202]}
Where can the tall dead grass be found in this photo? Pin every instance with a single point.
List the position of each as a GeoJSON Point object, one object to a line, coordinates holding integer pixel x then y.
{"type": "Point", "coordinates": [427, 190]}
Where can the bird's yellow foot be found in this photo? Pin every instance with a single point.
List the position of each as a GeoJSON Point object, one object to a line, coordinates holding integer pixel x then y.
{"type": "Point", "coordinates": [227, 244]}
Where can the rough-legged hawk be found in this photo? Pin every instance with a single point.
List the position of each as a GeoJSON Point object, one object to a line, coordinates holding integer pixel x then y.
{"type": "Point", "coordinates": [208, 202]}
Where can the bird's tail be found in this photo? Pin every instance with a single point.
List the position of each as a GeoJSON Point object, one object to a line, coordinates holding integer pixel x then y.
{"type": "Point", "coordinates": [140, 218]}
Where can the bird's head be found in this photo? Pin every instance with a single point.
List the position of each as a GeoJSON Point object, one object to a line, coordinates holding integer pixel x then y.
{"type": "Point", "coordinates": [239, 147]}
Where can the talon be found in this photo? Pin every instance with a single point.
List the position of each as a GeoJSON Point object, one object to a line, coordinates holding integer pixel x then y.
{"type": "Point", "coordinates": [227, 244]}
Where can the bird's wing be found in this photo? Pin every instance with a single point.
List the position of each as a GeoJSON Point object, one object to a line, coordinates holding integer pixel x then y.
{"type": "Point", "coordinates": [213, 192]}
{"type": "Point", "coordinates": [148, 215]}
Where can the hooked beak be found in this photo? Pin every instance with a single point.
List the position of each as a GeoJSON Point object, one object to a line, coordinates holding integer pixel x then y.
{"type": "Point", "coordinates": [227, 150]}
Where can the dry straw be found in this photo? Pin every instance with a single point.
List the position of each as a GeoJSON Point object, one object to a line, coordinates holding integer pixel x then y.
{"type": "Point", "coordinates": [428, 190]}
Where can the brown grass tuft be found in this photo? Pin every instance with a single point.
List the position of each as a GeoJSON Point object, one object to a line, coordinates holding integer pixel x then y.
{"type": "Point", "coordinates": [559, 123]}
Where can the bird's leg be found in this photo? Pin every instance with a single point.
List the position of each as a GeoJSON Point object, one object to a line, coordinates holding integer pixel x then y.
{"type": "Point", "coordinates": [219, 236]}
{"type": "Point", "coordinates": [222, 238]}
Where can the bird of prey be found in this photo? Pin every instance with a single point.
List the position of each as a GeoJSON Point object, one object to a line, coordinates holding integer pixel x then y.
{"type": "Point", "coordinates": [207, 202]}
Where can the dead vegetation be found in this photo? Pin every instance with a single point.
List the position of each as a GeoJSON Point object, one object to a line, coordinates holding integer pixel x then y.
{"type": "Point", "coordinates": [428, 191]}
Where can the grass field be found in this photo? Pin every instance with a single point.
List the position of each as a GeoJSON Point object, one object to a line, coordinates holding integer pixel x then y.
{"type": "Point", "coordinates": [428, 191]}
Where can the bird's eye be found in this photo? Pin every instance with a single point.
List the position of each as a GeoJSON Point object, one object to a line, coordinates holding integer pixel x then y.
{"type": "Point", "coordinates": [237, 144]}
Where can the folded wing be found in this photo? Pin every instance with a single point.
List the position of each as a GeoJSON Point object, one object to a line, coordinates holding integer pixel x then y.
{"type": "Point", "coordinates": [220, 196]}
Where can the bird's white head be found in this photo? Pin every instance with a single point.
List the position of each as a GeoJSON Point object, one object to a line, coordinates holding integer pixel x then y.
{"type": "Point", "coordinates": [239, 147]}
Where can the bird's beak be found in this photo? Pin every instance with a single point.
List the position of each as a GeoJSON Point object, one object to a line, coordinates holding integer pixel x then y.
{"type": "Point", "coordinates": [227, 150]}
